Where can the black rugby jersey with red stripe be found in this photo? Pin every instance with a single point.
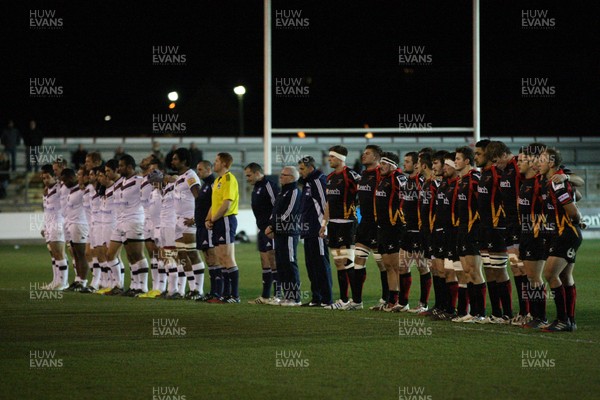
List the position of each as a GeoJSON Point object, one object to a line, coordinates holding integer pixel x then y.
{"type": "Point", "coordinates": [409, 193]}
{"type": "Point", "coordinates": [427, 197]}
{"type": "Point", "coordinates": [559, 195]}
{"type": "Point", "coordinates": [341, 194]}
{"type": "Point", "coordinates": [366, 187]}
{"type": "Point", "coordinates": [387, 200]}
{"type": "Point", "coordinates": [510, 182]}
{"type": "Point", "coordinates": [489, 200]}
{"type": "Point", "coordinates": [466, 200]}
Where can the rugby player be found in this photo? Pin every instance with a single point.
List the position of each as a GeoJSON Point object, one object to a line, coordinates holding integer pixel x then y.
{"type": "Point", "coordinates": [129, 232]}
{"type": "Point", "coordinates": [468, 233]}
{"type": "Point", "coordinates": [440, 223]}
{"type": "Point", "coordinates": [187, 189]}
{"type": "Point", "coordinates": [263, 199]}
{"type": "Point", "coordinates": [108, 223]}
{"type": "Point", "coordinates": [76, 227]}
{"type": "Point", "coordinates": [390, 223]}
{"type": "Point", "coordinates": [411, 252]}
{"type": "Point", "coordinates": [532, 241]}
{"type": "Point", "coordinates": [564, 243]}
{"type": "Point", "coordinates": [427, 197]}
{"type": "Point", "coordinates": [164, 232]}
{"type": "Point", "coordinates": [340, 223]}
{"type": "Point", "coordinates": [456, 279]}
{"type": "Point", "coordinates": [89, 190]}
{"type": "Point", "coordinates": [366, 234]}
{"type": "Point", "coordinates": [151, 214]}
{"type": "Point", "coordinates": [92, 201]}
{"type": "Point", "coordinates": [221, 218]}
{"type": "Point", "coordinates": [100, 247]}
{"type": "Point", "coordinates": [492, 236]}
{"type": "Point", "coordinates": [509, 185]}
{"type": "Point", "coordinates": [53, 231]}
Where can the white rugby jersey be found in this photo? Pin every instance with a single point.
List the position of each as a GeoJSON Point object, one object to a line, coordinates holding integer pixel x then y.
{"type": "Point", "coordinates": [116, 198]}
{"type": "Point", "coordinates": [64, 193]}
{"type": "Point", "coordinates": [154, 206]}
{"type": "Point", "coordinates": [128, 195]}
{"type": "Point", "coordinates": [146, 192]}
{"type": "Point", "coordinates": [88, 193]}
{"type": "Point", "coordinates": [185, 202]}
{"type": "Point", "coordinates": [109, 206]}
{"type": "Point", "coordinates": [96, 205]}
{"type": "Point", "coordinates": [52, 206]}
{"type": "Point", "coordinates": [167, 209]}
{"type": "Point", "coordinates": [74, 211]}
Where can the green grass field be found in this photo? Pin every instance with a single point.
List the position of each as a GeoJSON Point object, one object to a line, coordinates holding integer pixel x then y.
{"type": "Point", "coordinates": [93, 347]}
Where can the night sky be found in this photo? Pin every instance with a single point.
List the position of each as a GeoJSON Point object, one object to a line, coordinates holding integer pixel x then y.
{"type": "Point", "coordinates": [346, 56]}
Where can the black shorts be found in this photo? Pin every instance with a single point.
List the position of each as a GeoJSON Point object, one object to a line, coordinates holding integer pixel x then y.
{"type": "Point", "coordinates": [389, 238]}
{"type": "Point", "coordinates": [203, 238]}
{"type": "Point", "coordinates": [264, 244]}
{"type": "Point", "coordinates": [467, 243]}
{"type": "Point", "coordinates": [341, 234]}
{"type": "Point", "coordinates": [412, 241]}
{"type": "Point", "coordinates": [565, 245]}
{"type": "Point", "coordinates": [512, 234]}
{"type": "Point", "coordinates": [492, 239]}
{"type": "Point", "coordinates": [224, 230]}
{"type": "Point", "coordinates": [438, 243]}
{"type": "Point", "coordinates": [532, 248]}
{"type": "Point", "coordinates": [426, 244]}
{"type": "Point", "coordinates": [451, 244]}
{"type": "Point", "coordinates": [367, 234]}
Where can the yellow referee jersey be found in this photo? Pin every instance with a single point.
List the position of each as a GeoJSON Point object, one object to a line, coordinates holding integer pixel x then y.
{"type": "Point", "coordinates": [225, 188]}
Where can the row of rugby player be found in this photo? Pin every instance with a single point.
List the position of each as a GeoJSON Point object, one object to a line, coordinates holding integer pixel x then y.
{"type": "Point", "coordinates": [100, 209]}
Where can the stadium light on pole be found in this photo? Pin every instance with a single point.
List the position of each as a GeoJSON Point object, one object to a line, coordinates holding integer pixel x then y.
{"type": "Point", "coordinates": [173, 96]}
{"type": "Point", "coordinates": [240, 91]}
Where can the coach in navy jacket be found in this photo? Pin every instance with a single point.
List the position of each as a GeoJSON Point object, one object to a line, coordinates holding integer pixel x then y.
{"type": "Point", "coordinates": [285, 226]}
{"type": "Point", "coordinates": [315, 249]}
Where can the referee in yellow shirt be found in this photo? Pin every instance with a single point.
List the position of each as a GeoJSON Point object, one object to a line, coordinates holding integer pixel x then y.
{"type": "Point", "coordinates": [221, 218]}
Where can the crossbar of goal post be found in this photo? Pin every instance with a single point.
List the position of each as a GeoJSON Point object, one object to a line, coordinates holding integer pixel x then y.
{"type": "Point", "coordinates": [374, 130]}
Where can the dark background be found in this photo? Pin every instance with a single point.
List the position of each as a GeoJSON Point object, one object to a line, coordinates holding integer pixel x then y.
{"type": "Point", "coordinates": [349, 54]}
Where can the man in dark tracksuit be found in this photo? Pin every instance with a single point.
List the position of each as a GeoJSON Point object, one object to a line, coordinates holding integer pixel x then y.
{"type": "Point", "coordinates": [285, 229]}
{"type": "Point", "coordinates": [203, 235]}
{"type": "Point", "coordinates": [263, 199]}
{"type": "Point", "coordinates": [315, 251]}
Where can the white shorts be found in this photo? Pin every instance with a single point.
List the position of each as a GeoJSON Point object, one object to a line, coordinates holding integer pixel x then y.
{"type": "Point", "coordinates": [96, 235]}
{"type": "Point", "coordinates": [54, 232]}
{"type": "Point", "coordinates": [148, 229]}
{"type": "Point", "coordinates": [77, 233]}
{"type": "Point", "coordinates": [107, 231]}
{"type": "Point", "coordinates": [166, 236]}
{"type": "Point", "coordinates": [128, 230]}
{"type": "Point", "coordinates": [181, 228]}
